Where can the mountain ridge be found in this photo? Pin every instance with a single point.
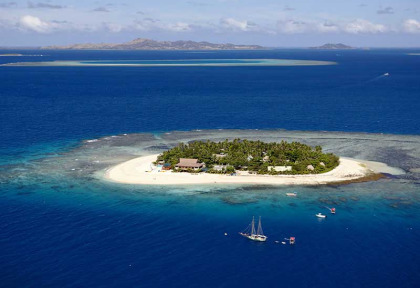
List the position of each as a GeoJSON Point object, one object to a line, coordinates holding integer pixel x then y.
{"type": "Point", "coordinates": [332, 46]}
{"type": "Point", "coordinates": [149, 44]}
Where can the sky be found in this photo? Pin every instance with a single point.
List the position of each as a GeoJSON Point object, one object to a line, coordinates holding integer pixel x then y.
{"type": "Point", "coordinates": [272, 23]}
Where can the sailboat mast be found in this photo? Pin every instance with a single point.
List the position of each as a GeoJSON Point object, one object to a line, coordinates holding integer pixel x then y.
{"type": "Point", "coordinates": [252, 226]}
{"type": "Point", "coordinates": [260, 231]}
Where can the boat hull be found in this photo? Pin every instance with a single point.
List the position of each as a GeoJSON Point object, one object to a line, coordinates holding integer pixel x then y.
{"type": "Point", "coordinates": [258, 238]}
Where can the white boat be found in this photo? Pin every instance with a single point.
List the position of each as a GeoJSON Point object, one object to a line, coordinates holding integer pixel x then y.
{"type": "Point", "coordinates": [386, 74]}
{"type": "Point", "coordinates": [253, 235]}
{"type": "Point", "coordinates": [319, 215]}
{"type": "Point", "coordinates": [294, 194]}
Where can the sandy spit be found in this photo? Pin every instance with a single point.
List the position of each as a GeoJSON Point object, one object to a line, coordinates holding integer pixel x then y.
{"type": "Point", "coordinates": [140, 171]}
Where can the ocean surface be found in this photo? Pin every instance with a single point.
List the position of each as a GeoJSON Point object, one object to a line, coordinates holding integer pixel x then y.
{"type": "Point", "coordinates": [63, 225]}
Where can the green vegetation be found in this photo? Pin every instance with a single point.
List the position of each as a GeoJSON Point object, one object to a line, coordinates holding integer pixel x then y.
{"type": "Point", "coordinates": [254, 156]}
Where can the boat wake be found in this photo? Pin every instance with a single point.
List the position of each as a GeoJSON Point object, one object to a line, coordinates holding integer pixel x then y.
{"type": "Point", "coordinates": [379, 77]}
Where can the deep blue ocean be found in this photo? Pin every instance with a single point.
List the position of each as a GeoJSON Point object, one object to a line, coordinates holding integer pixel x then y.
{"type": "Point", "coordinates": [66, 230]}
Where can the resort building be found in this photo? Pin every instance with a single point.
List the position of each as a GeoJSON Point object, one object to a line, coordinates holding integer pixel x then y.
{"type": "Point", "coordinates": [166, 166]}
{"type": "Point", "coordinates": [186, 163]}
{"type": "Point", "coordinates": [219, 168]}
{"type": "Point", "coordinates": [280, 168]}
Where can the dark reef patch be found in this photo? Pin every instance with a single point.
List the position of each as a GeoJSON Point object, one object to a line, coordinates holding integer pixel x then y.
{"type": "Point", "coordinates": [368, 178]}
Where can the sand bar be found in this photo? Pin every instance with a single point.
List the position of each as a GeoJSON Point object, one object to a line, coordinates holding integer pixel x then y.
{"type": "Point", "coordinates": [142, 171]}
{"type": "Point", "coordinates": [177, 63]}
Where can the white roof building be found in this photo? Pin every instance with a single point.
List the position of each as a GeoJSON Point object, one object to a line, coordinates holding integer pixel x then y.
{"type": "Point", "coordinates": [280, 168]}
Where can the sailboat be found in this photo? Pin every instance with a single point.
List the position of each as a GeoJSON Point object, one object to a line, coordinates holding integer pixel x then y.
{"type": "Point", "coordinates": [251, 234]}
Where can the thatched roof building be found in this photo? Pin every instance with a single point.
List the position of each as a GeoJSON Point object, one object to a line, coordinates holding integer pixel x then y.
{"type": "Point", "coordinates": [187, 163]}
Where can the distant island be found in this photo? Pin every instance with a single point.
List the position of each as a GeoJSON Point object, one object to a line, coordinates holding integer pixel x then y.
{"type": "Point", "coordinates": [330, 46]}
{"type": "Point", "coordinates": [149, 44]}
{"type": "Point", "coordinates": [11, 55]}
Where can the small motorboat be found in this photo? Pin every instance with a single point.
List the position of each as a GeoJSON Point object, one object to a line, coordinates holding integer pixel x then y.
{"type": "Point", "coordinates": [332, 210]}
{"type": "Point", "coordinates": [294, 194]}
{"type": "Point", "coordinates": [291, 240]}
{"type": "Point", "coordinates": [320, 215]}
{"type": "Point", "coordinates": [386, 74]}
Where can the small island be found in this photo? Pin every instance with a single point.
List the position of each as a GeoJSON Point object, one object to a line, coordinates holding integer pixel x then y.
{"type": "Point", "coordinates": [255, 157]}
{"type": "Point", "coordinates": [330, 46]}
{"type": "Point", "coordinates": [11, 55]}
{"type": "Point", "coordinates": [242, 162]}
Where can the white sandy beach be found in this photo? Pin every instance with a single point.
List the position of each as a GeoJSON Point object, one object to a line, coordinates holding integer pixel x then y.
{"type": "Point", "coordinates": [140, 171]}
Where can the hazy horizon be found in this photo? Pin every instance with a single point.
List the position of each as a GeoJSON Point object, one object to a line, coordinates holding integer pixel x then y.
{"type": "Point", "coordinates": [214, 42]}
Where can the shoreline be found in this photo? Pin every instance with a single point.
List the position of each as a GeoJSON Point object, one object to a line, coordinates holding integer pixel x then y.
{"type": "Point", "coordinates": [139, 171]}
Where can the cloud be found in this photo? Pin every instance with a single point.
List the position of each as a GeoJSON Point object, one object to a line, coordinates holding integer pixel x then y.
{"type": "Point", "coordinates": [296, 26]}
{"type": "Point", "coordinates": [386, 10]}
{"type": "Point", "coordinates": [411, 26]}
{"type": "Point", "coordinates": [59, 22]}
{"type": "Point", "coordinates": [100, 9]}
{"type": "Point", "coordinates": [112, 27]}
{"type": "Point", "coordinates": [363, 26]}
{"type": "Point", "coordinates": [292, 26]}
{"type": "Point", "coordinates": [195, 3]}
{"type": "Point", "coordinates": [287, 8]}
{"type": "Point", "coordinates": [33, 23]}
{"type": "Point", "coordinates": [150, 24]}
{"type": "Point", "coordinates": [237, 25]}
{"type": "Point", "coordinates": [8, 5]}
{"type": "Point", "coordinates": [44, 5]}
{"type": "Point", "coordinates": [4, 24]}
{"type": "Point", "coordinates": [327, 27]}
{"type": "Point", "coordinates": [178, 27]}
{"type": "Point", "coordinates": [36, 24]}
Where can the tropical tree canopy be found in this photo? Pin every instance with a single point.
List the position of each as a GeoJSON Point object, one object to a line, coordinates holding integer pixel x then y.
{"type": "Point", "coordinates": [255, 156]}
